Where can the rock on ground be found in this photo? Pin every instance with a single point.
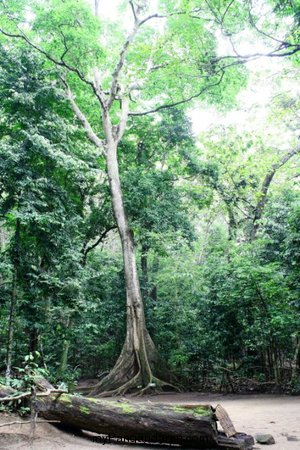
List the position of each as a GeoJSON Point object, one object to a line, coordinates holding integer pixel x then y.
{"type": "Point", "coordinates": [264, 438]}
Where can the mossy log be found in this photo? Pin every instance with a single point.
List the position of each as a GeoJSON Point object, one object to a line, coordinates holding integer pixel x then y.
{"type": "Point", "coordinates": [189, 426]}
{"type": "Point", "coordinates": [193, 426]}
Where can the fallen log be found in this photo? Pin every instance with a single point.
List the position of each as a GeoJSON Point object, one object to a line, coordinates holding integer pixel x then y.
{"type": "Point", "coordinates": [193, 426]}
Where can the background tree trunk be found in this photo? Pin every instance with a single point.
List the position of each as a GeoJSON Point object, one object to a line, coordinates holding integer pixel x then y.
{"type": "Point", "coordinates": [13, 303]}
{"type": "Point", "coordinates": [65, 349]}
{"type": "Point", "coordinates": [11, 327]}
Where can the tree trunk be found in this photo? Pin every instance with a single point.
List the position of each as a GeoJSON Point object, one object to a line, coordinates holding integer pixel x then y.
{"type": "Point", "coordinates": [127, 422]}
{"type": "Point", "coordinates": [232, 225]}
{"type": "Point", "coordinates": [144, 267]}
{"type": "Point", "coordinates": [134, 368]}
{"type": "Point", "coordinates": [33, 339]}
{"type": "Point", "coordinates": [296, 365]}
{"type": "Point", "coordinates": [13, 304]}
{"type": "Point", "coordinates": [259, 208]}
{"type": "Point", "coordinates": [11, 327]}
{"type": "Point", "coordinates": [65, 350]}
{"type": "Point", "coordinates": [97, 2]}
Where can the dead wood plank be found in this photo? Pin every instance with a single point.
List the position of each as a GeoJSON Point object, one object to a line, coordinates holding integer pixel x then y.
{"type": "Point", "coordinates": [225, 421]}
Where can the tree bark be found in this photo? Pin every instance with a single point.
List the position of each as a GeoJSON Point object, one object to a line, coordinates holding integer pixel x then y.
{"type": "Point", "coordinates": [232, 225]}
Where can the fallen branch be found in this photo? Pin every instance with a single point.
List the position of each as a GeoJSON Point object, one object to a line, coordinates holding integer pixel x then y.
{"type": "Point", "coordinates": [28, 394]}
{"type": "Point", "coordinates": [27, 422]}
{"type": "Point", "coordinates": [16, 397]}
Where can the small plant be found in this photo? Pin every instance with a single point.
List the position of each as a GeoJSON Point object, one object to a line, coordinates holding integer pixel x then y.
{"type": "Point", "coordinates": [24, 382]}
{"type": "Point", "coordinates": [29, 372]}
{"type": "Point", "coordinates": [295, 385]}
{"type": "Point", "coordinates": [69, 379]}
{"type": "Point", "coordinates": [23, 410]}
{"type": "Point", "coordinates": [6, 408]}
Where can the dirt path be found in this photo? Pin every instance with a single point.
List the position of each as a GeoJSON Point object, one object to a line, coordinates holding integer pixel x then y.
{"type": "Point", "coordinates": [278, 415]}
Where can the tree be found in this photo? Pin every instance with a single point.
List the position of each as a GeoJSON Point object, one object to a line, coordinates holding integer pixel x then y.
{"type": "Point", "coordinates": [242, 173]}
{"type": "Point", "coordinates": [153, 71]}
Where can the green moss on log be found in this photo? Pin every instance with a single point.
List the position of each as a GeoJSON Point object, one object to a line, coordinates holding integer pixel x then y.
{"type": "Point", "coordinates": [127, 409]}
{"type": "Point", "coordinates": [65, 398]}
{"type": "Point", "coordinates": [95, 400]}
{"type": "Point", "coordinates": [84, 409]}
{"type": "Point", "coordinates": [198, 410]}
{"type": "Point", "coordinates": [124, 406]}
{"type": "Point", "coordinates": [202, 411]}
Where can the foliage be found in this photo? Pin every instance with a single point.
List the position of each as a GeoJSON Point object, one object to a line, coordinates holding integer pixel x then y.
{"type": "Point", "coordinates": [217, 300]}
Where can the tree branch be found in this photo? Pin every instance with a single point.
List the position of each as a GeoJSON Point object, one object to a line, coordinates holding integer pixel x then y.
{"type": "Point", "coordinates": [258, 211]}
{"type": "Point", "coordinates": [81, 117]}
{"type": "Point", "coordinates": [284, 49]}
{"type": "Point", "coordinates": [120, 64]}
{"type": "Point", "coordinates": [133, 10]}
{"type": "Point", "coordinates": [97, 9]}
{"type": "Point", "coordinates": [263, 33]}
{"type": "Point", "coordinates": [99, 240]}
{"type": "Point", "coordinates": [226, 11]}
{"type": "Point", "coordinates": [137, 24]}
{"type": "Point", "coordinates": [60, 63]}
{"type": "Point", "coordinates": [27, 422]}
{"type": "Point", "coordinates": [179, 102]}
{"type": "Point", "coordinates": [28, 394]}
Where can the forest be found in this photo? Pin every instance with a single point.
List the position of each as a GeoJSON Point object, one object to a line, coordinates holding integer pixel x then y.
{"type": "Point", "coordinates": [149, 194]}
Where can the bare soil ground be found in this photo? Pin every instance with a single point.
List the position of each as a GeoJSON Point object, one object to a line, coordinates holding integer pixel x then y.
{"type": "Point", "coordinates": [278, 415]}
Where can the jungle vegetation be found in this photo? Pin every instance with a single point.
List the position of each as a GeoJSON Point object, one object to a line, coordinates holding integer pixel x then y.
{"type": "Point", "coordinates": [134, 248]}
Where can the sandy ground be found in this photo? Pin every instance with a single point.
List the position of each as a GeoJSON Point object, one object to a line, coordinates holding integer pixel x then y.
{"type": "Point", "coordinates": [278, 415]}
